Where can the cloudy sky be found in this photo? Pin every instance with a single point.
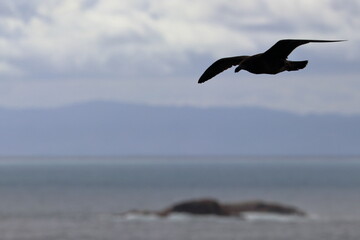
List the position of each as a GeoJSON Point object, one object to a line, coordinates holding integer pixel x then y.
{"type": "Point", "coordinates": [54, 53]}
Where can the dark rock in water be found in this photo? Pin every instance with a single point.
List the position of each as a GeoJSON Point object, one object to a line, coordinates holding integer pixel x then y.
{"type": "Point", "coordinates": [197, 207]}
{"type": "Point", "coordinates": [214, 207]}
{"type": "Point", "coordinates": [262, 207]}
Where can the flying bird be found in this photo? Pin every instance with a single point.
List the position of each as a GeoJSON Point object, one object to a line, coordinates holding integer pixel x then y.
{"type": "Point", "coordinates": [273, 61]}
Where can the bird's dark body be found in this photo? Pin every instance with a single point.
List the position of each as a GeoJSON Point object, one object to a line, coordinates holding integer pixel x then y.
{"type": "Point", "coordinates": [259, 64]}
{"type": "Point", "coordinates": [272, 61]}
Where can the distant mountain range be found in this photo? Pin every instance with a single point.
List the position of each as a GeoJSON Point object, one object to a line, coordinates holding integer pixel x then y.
{"type": "Point", "coordinates": [102, 128]}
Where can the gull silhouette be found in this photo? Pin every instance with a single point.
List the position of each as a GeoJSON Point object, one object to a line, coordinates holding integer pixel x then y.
{"type": "Point", "coordinates": [273, 61]}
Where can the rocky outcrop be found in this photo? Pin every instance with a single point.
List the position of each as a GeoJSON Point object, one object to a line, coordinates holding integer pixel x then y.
{"type": "Point", "coordinates": [262, 207]}
{"type": "Point", "coordinates": [213, 207]}
{"type": "Point", "coordinates": [197, 207]}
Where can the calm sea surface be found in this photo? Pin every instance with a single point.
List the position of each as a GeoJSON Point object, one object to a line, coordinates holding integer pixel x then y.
{"type": "Point", "coordinates": [81, 198]}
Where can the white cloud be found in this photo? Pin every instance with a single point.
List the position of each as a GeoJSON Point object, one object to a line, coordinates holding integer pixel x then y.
{"type": "Point", "coordinates": [69, 33]}
{"type": "Point", "coordinates": [138, 41]}
{"type": "Point", "coordinates": [9, 70]}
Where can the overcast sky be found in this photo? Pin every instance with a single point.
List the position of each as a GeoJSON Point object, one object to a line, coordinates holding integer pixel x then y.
{"type": "Point", "coordinates": [152, 52]}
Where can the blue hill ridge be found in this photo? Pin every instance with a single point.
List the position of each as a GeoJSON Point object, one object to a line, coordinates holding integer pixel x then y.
{"type": "Point", "coordinates": [104, 128]}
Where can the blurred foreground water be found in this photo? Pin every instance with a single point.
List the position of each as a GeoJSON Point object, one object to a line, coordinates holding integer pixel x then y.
{"type": "Point", "coordinates": [81, 198]}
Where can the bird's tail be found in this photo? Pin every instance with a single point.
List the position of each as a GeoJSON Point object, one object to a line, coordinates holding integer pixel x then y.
{"type": "Point", "coordinates": [295, 65]}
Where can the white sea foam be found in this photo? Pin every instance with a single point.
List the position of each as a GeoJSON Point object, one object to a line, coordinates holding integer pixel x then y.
{"type": "Point", "coordinates": [174, 217]}
{"type": "Point", "coordinates": [181, 217]}
{"type": "Point", "coordinates": [140, 217]}
{"type": "Point", "coordinates": [255, 217]}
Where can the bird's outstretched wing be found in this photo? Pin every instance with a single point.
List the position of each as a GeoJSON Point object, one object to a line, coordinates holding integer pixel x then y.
{"type": "Point", "coordinates": [220, 66]}
{"type": "Point", "coordinates": [284, 47]}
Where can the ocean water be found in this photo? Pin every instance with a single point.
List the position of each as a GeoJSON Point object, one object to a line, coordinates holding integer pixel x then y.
{"type": "Point", "coordinates": [82, 198]}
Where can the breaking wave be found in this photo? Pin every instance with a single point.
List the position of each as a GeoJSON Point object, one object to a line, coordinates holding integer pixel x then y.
{"type": "Point", "coordinates": [248, 217]}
